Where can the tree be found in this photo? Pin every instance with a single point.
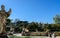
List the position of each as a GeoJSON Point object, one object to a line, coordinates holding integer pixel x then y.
{"type": "Point", "coordinates": [57, 23]}
{"type": "Point", "coordinates": [19, 25]}
{"type": "Point", "coordinates": [8, 24]}
{"type": "Point", "coordinates": [57, 19]}
{"type": "Point", "coordinates": [40, 27]}
{"type": "Point", "coordinates": [32, 26]}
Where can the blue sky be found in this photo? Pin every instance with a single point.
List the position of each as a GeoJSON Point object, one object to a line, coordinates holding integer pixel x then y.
{"type": "Point", "coordinates": [33, 10]}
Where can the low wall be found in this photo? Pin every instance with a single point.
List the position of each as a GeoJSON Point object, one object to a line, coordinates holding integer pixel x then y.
{"type": "Point", "coordinates": [38, 34]}
{"type": "Point", "coordinates": [57, 33]}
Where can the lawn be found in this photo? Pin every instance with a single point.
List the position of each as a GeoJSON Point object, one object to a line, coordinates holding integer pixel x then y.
{"type": "Point", "coordinates": [19, 37]}
{"type": "Point", "coordinates": [11, 36]}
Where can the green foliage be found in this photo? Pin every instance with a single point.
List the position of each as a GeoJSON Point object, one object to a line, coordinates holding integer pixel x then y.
{"type": "Point", "coordinates": [17, 29]}
{"type": "Point", "coordinates": [8, 22]}
{"type": "Point", "coordinates": [33, 26]}
{"type": "Point", "coordinates": [57, 19]}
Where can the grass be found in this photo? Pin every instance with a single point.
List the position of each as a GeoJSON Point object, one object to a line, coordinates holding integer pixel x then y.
{"type": "Point", "coordinates": [12, 36]}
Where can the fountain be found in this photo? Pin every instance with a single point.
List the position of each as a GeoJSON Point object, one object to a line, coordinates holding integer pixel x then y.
{"type": "Point", "coordinates": [53, 35]}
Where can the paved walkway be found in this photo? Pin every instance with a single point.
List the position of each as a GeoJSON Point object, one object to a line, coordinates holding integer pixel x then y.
{"type": "Point", "coordinates": [19, 34]}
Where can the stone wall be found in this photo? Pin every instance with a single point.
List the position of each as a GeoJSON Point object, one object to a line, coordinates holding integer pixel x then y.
{"type": "Point", "coordinates": [38, 34]}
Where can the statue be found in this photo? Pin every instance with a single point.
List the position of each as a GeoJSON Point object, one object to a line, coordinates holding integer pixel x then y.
{"type": "Point", "coordinates": [3, 17]}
